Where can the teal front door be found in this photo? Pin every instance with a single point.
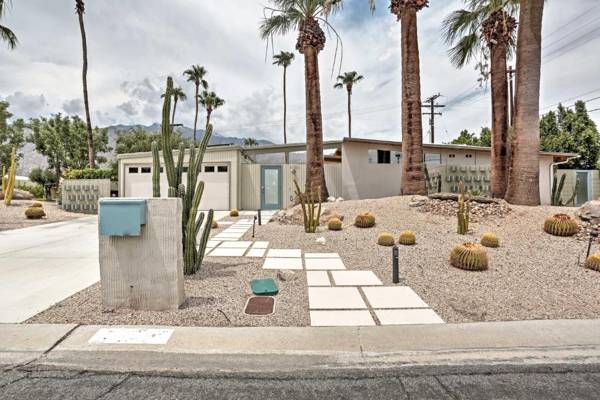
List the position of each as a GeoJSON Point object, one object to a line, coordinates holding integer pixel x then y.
{"type": "Point", "coordinates": [271, 183]}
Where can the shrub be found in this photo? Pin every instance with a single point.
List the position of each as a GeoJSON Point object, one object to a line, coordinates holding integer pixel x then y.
{"type": "Point", "coordinates": [407, 238]}
{"type": "Point", "coordinates": [593, 262]}
{"type": "Point", "coordinates": [91, 173]}
{"type": "Point", "coordinates": [561, 225]}
{"type": "Point", "coordinates": [35, 213]}
{"type": "Point", "coordinates": [364, 220]}
{"type": "Point", "coordinates": [334, 224]}
{"type": "Point", "coordinates": [490, 239]}
{"type": "Point", "coordinates": [469, 256]}
{"type": "Point", "coordinates": [385, 239]}
{"type": "Point", "coordinates": [234, 213]}
{"type": "Point", "coordinates": [37, 191]}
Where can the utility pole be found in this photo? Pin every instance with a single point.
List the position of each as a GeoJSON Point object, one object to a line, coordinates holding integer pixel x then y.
{"type": "Point", "coordinates": [511, 93]}
{"type": "Point", "coordinates": [432, 107]}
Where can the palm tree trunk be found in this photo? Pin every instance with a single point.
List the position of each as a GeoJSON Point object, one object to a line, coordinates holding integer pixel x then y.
{"type": "Point", "coordinates": [349, 113]}
{"type": "Point", "coordinates": [196, 115]}
{"type": "Point", "coordinates": [90, 135]}
{"type": "Point", "coordinates": [523, 179]}
{"type": "Point", "coordinates": [413, 177]}
{"type": "Point", "coordinates": [285, 112]}
{"type": "Point", "coordinates": [315, 173]}
{"type": "Point", "coordinates": [208, 112]}
{"type": "Point", "coordinates": [499, 160]}
{"type": "Point", "coordinates": [174, 109]}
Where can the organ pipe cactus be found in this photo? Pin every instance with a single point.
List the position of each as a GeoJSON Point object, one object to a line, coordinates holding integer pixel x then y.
{"type": "Point", "coordinates": [189, 192]}
{"type": "Point", "coordinates": [8, 181]}
{"type": "Point", "coordinates": [561, 225]}
{"type": "Point", "coordinates": [155, 170]}
{"type": "Point", "coordinates": [463, 210]}
{"type": "Point", "coordinates": [311, 213]}
{"type": "Point", "coordinates": [557, 188]}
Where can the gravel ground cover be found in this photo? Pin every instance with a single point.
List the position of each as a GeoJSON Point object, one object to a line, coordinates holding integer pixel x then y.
{"type": "Point", "coordinates": [532, 275]}
{"type": "Point", "coordinates": [13, 216]}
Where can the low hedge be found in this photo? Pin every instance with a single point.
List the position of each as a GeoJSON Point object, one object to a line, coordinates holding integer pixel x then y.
{"type": "Point", "coordinates": [91, 173]}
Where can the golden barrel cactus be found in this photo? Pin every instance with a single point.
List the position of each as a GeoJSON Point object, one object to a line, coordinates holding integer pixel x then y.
{"type": "Point", "coordinates": [215, 224]}
{"type": "Point", "coordinates": [37, 204]}
{"type": "Point", "coordinates": [490, 239]}
{"type": "Point", "coordinates": [407, 238]}
{"type": "Point", "coordinates": [35, 213]}
{"type": "Point", "coordinates": [469, 256]}
{"type": "Point", "coordinates": [334, 224]}
{"type": "Point", "coordinates": [234, 213]}
{"type": "Point", "coordinates": [364, 220]}
{"type": "Point", "coordinates": [385, 239]}
{"type": "Point", "coordinates": [593, 262]}
{"type": "Point", "coordinates": [561, 225]}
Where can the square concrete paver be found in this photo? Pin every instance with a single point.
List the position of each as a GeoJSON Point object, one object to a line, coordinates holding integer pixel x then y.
{"type": "Point", "coordinates": [324, 263]}
{"type": "Point", "coordinates": [328, 298]}
{"type": "Point", "coordinates": [212, 243]}
{"type": "Point", "coordinates": [235, 245]}
{"type": "Point", "coordinates": [225, 252]}
{"type": "Point", "coordinates": [256, 252]}
{"type": "Point", "coordinates": [292, 253]}
{"type": "Point", "coordinates": [260, 245]}
{"type": "Point", "coordinates": [283, 263]}
{"type": "Point", "coordinates": [341, 318]}
{"type": "Point", "coordinates": [317, 278]}
{"type": "Point", "coordinates": [406, 317]}
{"type": "Point", "coordinates": [321, 255]}
{"type": "Point", "coordinates": [355, 278]}
{"type": "Point", "coordinates": [393, 297]}
{"type": "Point", "coordinates": [222, 236]}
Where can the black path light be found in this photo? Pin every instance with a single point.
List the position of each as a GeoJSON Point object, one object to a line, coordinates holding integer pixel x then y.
{"type": "Point", "coordinates": [395, 265]}
{"type": "Point", "coordinates": [253, 227]}
{"type": "Point", "coordinates": [259, 218]}
{"type": "Point", "coordinates": [593, 236]}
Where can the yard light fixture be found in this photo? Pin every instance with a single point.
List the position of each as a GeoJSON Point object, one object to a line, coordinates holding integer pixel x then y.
{"type": "Point", "coordinates": [395, 266]}
{"type": "Point", "coordinates": [253, 227]}
{"type": "Point", "coordinates": [593, 236]}
{"type": "Point", "coordinates": [259, 218]}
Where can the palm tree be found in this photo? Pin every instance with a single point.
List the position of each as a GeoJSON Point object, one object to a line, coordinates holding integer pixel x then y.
{"type": "Point", "coordinates": [284, 59]}
{"type": "Point", "coordinates": [210, 101]}
{"type": "Point", "coordinates": [487, 29]}
{"type": "Point", "coordinates": [196, 74]}
{"type": "Point", "coordinates": [80, 9]}
{"type": "Point", "coordinates": [305, 16]}
{"type": "Point", "coordinates": [523, 175]}
{"type": "Point", "coordinates": [348, 80]}
{"type": "Point", "coordinates": [413, 172]}
{"type": "Point", "coordinates": [250, 142]}
{"type": "Point", "coordinates": [178, 95]}
{"type": "Point", "coordinates": [6, 35]}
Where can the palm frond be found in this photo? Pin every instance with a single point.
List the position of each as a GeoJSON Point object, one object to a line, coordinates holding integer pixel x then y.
{"type": "Point", "coordinates": [459, 23]}
{"type": "Point", "coordinates": [8, 36]}
{"type": "Point", "coordinates": [464, 51]}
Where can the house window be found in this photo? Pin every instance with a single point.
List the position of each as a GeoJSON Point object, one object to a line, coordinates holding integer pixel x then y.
{"type": "Point", "coordinates": [451, 155]}
{"type": "Point", "coordinates": [433, 158]}
{"type": "Point", "coordinates": [469, 156]}
{"type": "Point", "coordinates": [146, 170]}
{"type": "Point", "coordinates": [185, 170]}
{"type": "Point", "coordinates": [222, 168]}
{"type": "Point", "coordinates": [161, 170]}
{"type": "Point", "coordinates": [209, 168]}
{"type": "Point", "coordinates": [133, 170]}
{"type": "Point", "coordinates": [384, 157]}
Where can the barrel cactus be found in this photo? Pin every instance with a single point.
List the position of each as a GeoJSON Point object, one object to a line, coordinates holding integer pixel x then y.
{"type": "Point", "coordinates": [561, 225]}
{"type": "Point", "coordinates": [490, 239]}
{"type": "Point", "coordinates": [469, 256]}
{"type": "Point", "coordinates": [593, 262]}
{"type": "Point", "coordinates": [37, 204]}
{"type": "Point", "coordinates": [234, 213]}
{"type": "Point", "coordinates": [334, 224]}
{"type": "Point", "coordinates": [364, 220]}
{"type": "Point", "coordinates": [215, 224]}
{"type": "Point", "coordinates": [385, 239]}
{"type": "Point", "coordinates": [35, 213]}
{"type": "Point", "coordinates": [407, 238]}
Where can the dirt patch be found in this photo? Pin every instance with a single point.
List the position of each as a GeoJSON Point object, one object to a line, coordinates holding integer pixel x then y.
{"type": "Point", "coordinates": [13, 216]}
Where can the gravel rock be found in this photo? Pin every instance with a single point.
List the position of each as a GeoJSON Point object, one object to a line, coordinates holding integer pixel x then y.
{"type": "Point", "coordinates": [286, 275]}
{"type": "Point", "coordinates": [18, 195]}
{"type": "Point", "coordinates": [418, 201]}
{"type": "Point", "coordinates": [590, 211]}
{"type": "Point", "coordinates": [479, 211]}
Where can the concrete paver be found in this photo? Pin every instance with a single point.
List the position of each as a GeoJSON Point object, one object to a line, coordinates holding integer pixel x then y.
{"type": "Point", "coordinates": [341, 298]}
{"type": "Point", "coordinates": [393, 297]}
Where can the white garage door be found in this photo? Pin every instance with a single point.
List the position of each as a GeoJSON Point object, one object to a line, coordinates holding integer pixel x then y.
{"type": "Point", "coordinates": [138, 183]}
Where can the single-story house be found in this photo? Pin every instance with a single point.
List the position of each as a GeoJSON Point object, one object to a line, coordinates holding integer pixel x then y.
{"type": "Point", "coordinates": [249, 178]}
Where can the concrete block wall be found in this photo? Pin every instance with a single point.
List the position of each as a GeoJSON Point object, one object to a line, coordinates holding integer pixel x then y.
{"type": "Point", "coordinates": [475, 177]}
{"type": "Point", "coordinates": [82, 195]}
{"type": "Point", "coordinates": [145, 272]}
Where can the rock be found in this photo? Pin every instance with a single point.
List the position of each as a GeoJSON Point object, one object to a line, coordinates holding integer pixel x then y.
{"type": "Point", "coordinates": [331, 199]}
{"type": "Point", "coordinates": [479, 211]}
{"type": "Point", "coordinates": [418, 201]}
{"type": "Point", "coordinates": [321, 240]}
{"type": "Point", "coordinates": [19, 195]}
{"type": "Point", "coordinates": [286, 275]}
{"type": "Point", "coordinates": [339, 199]}
{"type": "Point", "coordinates": [590, 211]}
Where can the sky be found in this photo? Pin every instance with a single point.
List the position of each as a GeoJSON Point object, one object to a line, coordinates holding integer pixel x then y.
{"type": "Point", "coordinates": [134, 45]}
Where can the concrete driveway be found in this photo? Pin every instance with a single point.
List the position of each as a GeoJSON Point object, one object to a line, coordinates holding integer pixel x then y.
{"type": "Point", "coordinates": [42, 265]}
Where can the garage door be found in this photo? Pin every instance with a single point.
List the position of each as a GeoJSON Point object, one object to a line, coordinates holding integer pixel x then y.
{"type": "Point", "coordinates": [138, 183]}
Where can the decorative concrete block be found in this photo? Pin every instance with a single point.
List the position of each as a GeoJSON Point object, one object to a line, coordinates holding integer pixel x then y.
{"type": "Point", "coordinates": [145, 272]}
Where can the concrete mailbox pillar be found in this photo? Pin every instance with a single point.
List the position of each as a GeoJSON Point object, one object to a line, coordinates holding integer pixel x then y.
{"type": "Point", "coordinates": [141, 253]}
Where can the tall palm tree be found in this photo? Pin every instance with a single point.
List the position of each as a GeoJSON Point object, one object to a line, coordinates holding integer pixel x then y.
{"type": "Point", "coordinates": [178, 95]}
{"type": "Point", "coordinates": [250, 142]}
{"type": "Point", "coordinates": [284, 59]}
{"type": "Point", "coordinates": [196, 74]}
{"type": "Point", "coordinates": [210, 101]}
{"type": "Point", "coordinates": [487, 29]}
{"type": "Point", "coordinates": [305, 16]}
{"type": "Point", "coordinates": [413, 172]}
{"type": "Point", "coordinates": [80, 10]}
{"type": "Point", "coordinates": [6, 35]}
{"type": "Point", "coordinates": [523, 175]}
{"type": "Point", "coordinates": [348, 80]}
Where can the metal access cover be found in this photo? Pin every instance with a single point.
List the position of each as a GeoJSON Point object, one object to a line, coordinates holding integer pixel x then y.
{"type": "Point", "coordinates": [264, 287]}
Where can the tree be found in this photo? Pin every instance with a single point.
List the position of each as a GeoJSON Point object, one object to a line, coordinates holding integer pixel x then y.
{"type": "Point", "coordinates": [178, 95]}
{"type": "Point", "coordinates": [571, 131]}
{"type": "Point", "coordinates": [413, 172]}
{"type": "Point", "coordinates": [6, 35]}
{"type": "Point", "coordinates": [471, 139]}
{"type": "Point", "coordinates": [80, 9]}
{"type": "Point", "coordinates": [45, 178]}
{"type": "Point", "coordinates": [196, 74]}
{"type": "Point", "coordinates": [523, 176]}
{"type": "Point", "coordinates": [348, 80]}
{"type": "Point", "coordinates": [305, 16]}
{"type": "Point", "coordinates": [63, 140]}
{"type": "Point", "coordinates": [11, 136]}
{"type": "Point", "coordinates": [250, 142]}
{"type": "Point", "coordinates": [210, 101]}
{"type": "Point", "coordinates": [138, 140]}
{"type": "Point", "coordinates": [284, 59]}
{"type": "Point", "coordinates": [487, 29]}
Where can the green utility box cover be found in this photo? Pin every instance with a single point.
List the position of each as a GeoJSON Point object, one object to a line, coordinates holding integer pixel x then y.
{"type": "Point", "coordinates": [122, 217]}
{"type": "Point", "coordinates": [264, 287]}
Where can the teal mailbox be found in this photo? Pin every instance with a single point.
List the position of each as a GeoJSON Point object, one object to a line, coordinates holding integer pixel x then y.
{"type": "Point", "coordinates": [122, 217]}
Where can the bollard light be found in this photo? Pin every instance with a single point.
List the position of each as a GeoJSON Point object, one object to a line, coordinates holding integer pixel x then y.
{"type": "Point", "coordinates": [259, 218]}
{"type": "Point", "coordinates": [395, 266]}
{"type": "Point", "coordinates": [253, 227]}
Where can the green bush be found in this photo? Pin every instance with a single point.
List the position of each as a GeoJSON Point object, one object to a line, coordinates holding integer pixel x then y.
{"type": "Point", "coordinates": [91, 173]}
{"type": "Point", "coordinates": [36, 190]}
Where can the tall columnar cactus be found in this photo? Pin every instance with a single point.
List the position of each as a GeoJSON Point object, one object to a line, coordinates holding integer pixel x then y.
{"type": "Point", "coordinates": [310, 211]}
{"type": "Point", "coordinates": [463, 211]}
{"type": "Point", "coordinates": [155, 170]}
{"type": "Point", "coordinates": [557, 188]}
{"type": "Point", "coordinates": [190, 192]}
{"type": "Point", "coordinates": [8, 181]}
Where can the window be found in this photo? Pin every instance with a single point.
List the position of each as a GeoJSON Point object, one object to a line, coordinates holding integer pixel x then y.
{"type": "Point", "coordinates": [146, 170]}
{"type": "Point", "coordinates": [451, 155]}
{"type": "Point", "coordinates": [433, 158]}
{"type": "Point", "coordinates": [209, 168]}
{"type": "Point", "coordinates": [384, 157]}
{"type": "Point", "coordinates": [133, 170]}
{"type": "Point", "coordinates": [469, 156]}
{"type": "Point", "coordinates": [222, 168]}
{"type": "Point", "coordinates": [185, 170]}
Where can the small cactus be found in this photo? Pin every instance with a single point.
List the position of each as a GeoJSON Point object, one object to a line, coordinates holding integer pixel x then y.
{"type": "Point", "coordinates": [385, 239]}
{"type": "Point", "coordinates": [407, 238]}
{"type": "Point", "coordinates": [35, 213]}
{"type": "Point", "coordinates": [469, 256]}
{"type": "Point", "coordinates": [215, 224]}
{"type": "Point", "coordinates": [463, 211]}
{"type": "Point", "coordinates": [37, 204]}
{"type": "Point", "coordinates": [334, 224]}
{"type": "Point", "coordinates": [593, 262]}
{"type": "Point", "coordinates": [490, 239]}
{"type": "Point", "coordinates": [561, 225]}
{"type": "Point", "coordinates": [364, 220]}
{"type": "Point", "coordinates": [234, 213]}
